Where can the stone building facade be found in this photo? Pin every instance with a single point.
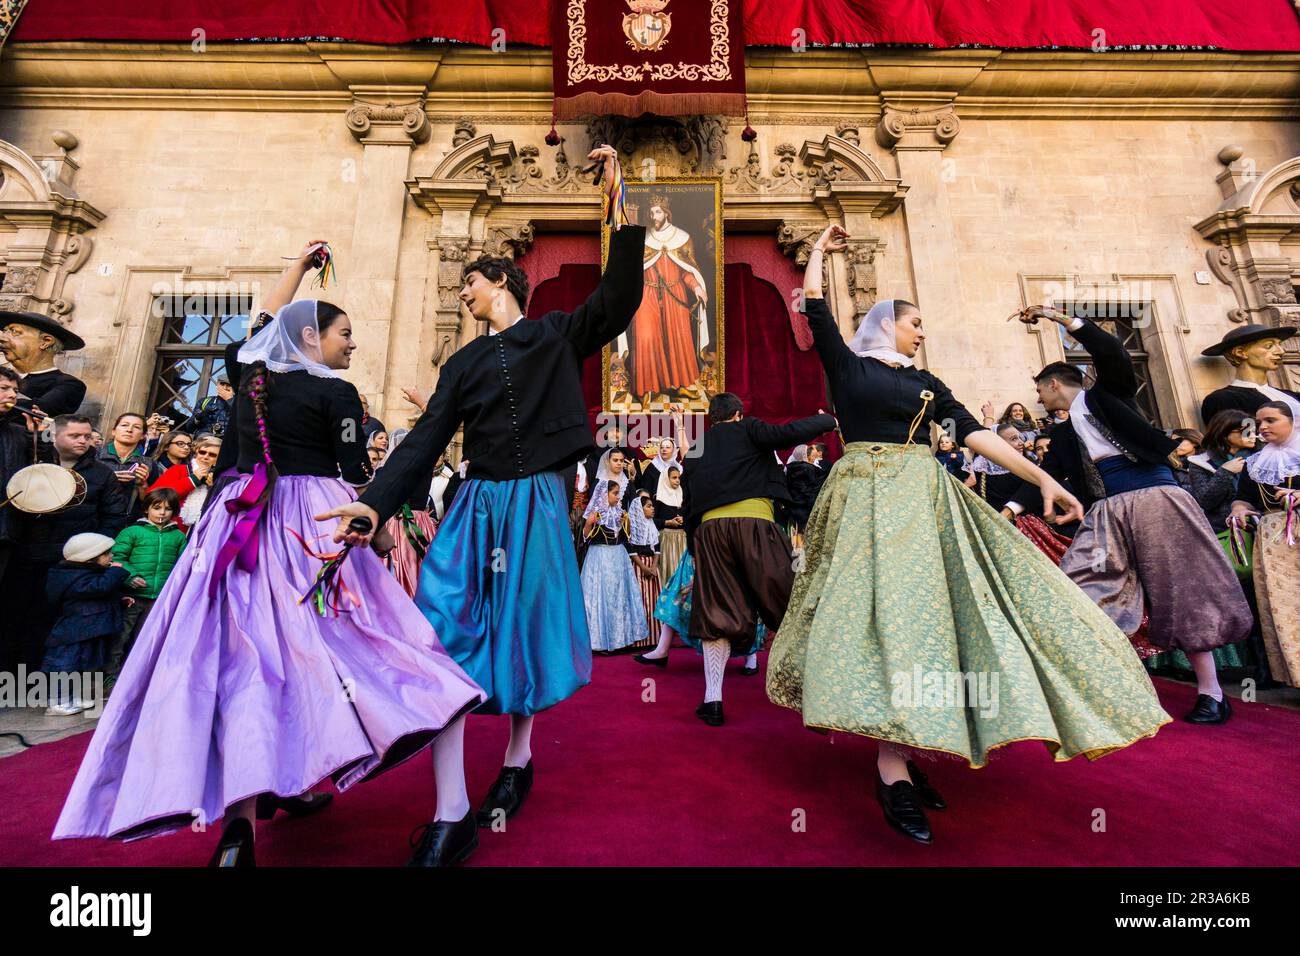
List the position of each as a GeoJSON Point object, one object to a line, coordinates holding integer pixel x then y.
{"type": "Point", "coordinates": [1161, 185]}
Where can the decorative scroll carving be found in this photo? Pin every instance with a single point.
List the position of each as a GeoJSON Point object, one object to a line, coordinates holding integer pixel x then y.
{"type": "Point", "coordinates": [391, 123]}
{"type": "Point", "coordinates": [508, 239]}
{"type": "Point", "coordinates": [566, 179]}
{"type": "Point", "coordinates": [748, 178]}
{"type": "Point", "coordinates": [896, 123]}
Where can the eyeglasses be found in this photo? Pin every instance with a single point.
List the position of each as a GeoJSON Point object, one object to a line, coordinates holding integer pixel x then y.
{"type": "Point", "coordinates": [183, 443]}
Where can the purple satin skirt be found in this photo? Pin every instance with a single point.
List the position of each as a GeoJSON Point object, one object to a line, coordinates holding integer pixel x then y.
{"type": "Point", "coordinates": [247, 692]}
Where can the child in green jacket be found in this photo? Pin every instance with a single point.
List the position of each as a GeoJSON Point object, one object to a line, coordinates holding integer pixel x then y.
{"type": "Point", "coordinates": [148, 550]}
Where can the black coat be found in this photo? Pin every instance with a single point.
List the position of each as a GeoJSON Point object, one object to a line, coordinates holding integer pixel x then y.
{"type": "Point", "coordinates": [1113, 402]}
{"type": "Point", "coordinates": [15, 453]}
{"type": "Point", "coordinates": [89, 599]}
{"type": "Point", "coordinates": [1234, 396]}
{"type": "Point", "coordinates": [105, 510]}
{"type": "Point", "coordinates": [519, 393]}
{"type": "Point", "coordinates": [55, 392]}
{"type": "Point", "coordinates": [734, 461]}
{"type": "Point", "coordinates": [804, 480]}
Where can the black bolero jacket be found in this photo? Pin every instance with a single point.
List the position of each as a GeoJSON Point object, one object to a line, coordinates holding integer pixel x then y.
{"type": "Point", "coordinates": [519, 393]}
{"type": "Point", "coordinates": [735, 462]}
{"type": "Point", "coordinates": [1112, 401]}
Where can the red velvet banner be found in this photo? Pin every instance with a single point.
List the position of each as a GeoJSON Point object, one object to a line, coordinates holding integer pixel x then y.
{"type": "Point", "coordinates": [1241, 25]}
{"type": "Point", "coordinates": [670, 57]}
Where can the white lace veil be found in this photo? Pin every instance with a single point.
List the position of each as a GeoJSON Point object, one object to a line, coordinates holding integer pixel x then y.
{"type": "Point", "coordinates": [284, 345]}
{"type": "Point", "coordinates": [875, 335]}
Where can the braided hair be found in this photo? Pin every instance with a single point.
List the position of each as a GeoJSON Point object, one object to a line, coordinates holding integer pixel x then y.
{"type": "Point", "coordinates": [257, 386]}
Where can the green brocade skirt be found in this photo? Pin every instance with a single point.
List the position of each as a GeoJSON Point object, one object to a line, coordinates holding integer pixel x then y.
{"type": "Point", "coordinates": [922, 617]}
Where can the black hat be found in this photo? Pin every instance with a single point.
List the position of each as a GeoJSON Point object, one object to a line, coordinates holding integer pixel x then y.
{"type": "Point", "coordinates": [1245, 334]}
{"type": "Point", "coordinates": [71, 340]}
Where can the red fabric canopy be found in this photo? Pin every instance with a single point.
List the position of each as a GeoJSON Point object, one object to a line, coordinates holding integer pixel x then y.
{"type": "Point", "coordinates": [1240, 25]}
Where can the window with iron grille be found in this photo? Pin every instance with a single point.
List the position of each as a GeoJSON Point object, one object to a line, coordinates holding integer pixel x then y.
{"type": "Point", "coordinates": [1125, 320]}
{"type": "Point", "coordinates": [191, 354]}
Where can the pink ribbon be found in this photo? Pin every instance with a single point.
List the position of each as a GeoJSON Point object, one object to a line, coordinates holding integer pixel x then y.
{"type": "Point", "coordinates": [242, 542]}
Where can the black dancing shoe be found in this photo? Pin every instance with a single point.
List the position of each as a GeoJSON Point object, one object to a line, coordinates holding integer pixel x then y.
{"type": "Point", "coordinates": [710, 712]}
{"type": "Point", "coordinates": [508, 793]}
{"type": "Point", "coordinates": [304, 806]}
{"type": "Point", "coordinates": [929, 796]}
{"type": "Point", "coordinates": [444, 842]}
{"type": "Point", "coordinates": [1209, 711]}
{"type": "Point", "coordinates": [652, 661]}
{"type": "Point", "coordinates": [749, 671]}
{"type": "Point", "coordinates": [236, 845]}
{"type": "Point", "coordinates": [903, 809]}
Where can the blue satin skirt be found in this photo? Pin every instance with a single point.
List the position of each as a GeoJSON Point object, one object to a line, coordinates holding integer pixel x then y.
{"type": "Point", "coordinates": [500, 586]}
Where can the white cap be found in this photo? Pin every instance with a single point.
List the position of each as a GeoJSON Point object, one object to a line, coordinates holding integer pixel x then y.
{"type": "Point", "coordinates": [86, 547]}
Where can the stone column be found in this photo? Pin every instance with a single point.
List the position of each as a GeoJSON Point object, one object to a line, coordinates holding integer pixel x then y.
{"type": "Point", "coordinates": [918, 134]}
{"type": "Point", "coordinates": [388, 129]}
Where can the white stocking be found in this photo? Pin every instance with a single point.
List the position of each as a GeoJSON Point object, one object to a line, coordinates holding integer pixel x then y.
{"type": "Point", "coordinates": [449, 773]}
{"type": "Point", "coordinates": [666, 635]}
{"type": "Point", "coordinates": [715, 665]}
{"type": "Point", "coordinates": [520, 749]}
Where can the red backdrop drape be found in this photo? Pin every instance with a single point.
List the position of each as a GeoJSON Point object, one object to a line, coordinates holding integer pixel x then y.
{"type": "Point", "coordinates": [776, 380]}
{"type": "Point", "coordinates": [1240, 25]}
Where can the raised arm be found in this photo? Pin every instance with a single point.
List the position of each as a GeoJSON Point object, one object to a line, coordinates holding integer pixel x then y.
{"type": "Point", "coordinates": [772, 437]}
{"type": "Point", "coordinates": [411, 464]}
{"type": "Point", "coordinates": [830, 345]}
{"type": "Point", "coordinates": [609, 309]}
{"type": "Point", "coordinates": [1110, 359]}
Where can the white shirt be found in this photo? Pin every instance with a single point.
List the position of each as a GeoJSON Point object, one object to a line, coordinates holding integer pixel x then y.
{"type": "Point", "coordinates": [1274, 395]}
{"type": "Point", "coordinates": [1098, 447]}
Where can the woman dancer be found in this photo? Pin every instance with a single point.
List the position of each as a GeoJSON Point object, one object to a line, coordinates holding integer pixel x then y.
{"type": "Point", "coordinates": [805, 480]}
{"type": "Point", "coordinates": [611, 592]}
{"type": "Point", "coordinates": [910, 579]}
{"type": "Point", "coordinates": [238, 697]}
{"type": "Point", "coordinates": [1272, 494]}
{"type": "Point", "coordinates": [500, 582]}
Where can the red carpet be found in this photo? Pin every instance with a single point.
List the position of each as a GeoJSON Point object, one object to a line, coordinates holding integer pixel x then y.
{"type": "Point", "coordinates": [623, 782]}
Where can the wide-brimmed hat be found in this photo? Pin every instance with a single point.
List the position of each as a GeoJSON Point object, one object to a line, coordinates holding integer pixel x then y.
{"type": "Point", "coordinates": [42, 323]}
{"type": "Point", "coordinates": [1245, 334]}
{"type": "Point", "coordinates": [86, 546]}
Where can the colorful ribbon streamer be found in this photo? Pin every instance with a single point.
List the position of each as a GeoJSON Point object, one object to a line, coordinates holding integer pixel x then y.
{"type": "Point", "coordinates": [329, 587]}
{"type": "Point", "coordinates": [414, 533]}
{"type": "Point", "coordinates": [242, 543]}
{"type": "Point", "coordinates": [616, 199]}
{"type": "Point", "coordinates": [1237, 540]}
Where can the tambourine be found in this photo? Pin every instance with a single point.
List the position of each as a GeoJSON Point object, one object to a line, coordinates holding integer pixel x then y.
{"type": "Point", "coordinates": [44, 489]}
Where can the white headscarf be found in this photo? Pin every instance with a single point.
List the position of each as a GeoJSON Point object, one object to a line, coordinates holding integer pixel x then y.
{"type": "Point", "coordinates": [799, 453]}
{"type": "Point", "coordinates": [875, 336]}
{"type": "Point", "coordinates": [603, 478]}
{"type": "Point", "coordinates": [642, 530]}
{"type": "Point", "coordinates": [1274, 464]}
{"type": "Point", "coordinates": [667, 493]}
{"type": "Point", "coordinates": [658, 459]}
{"type": "Point", "coordinates": [611, 516]}
{"type": "Point", "coordinates": [282, 346]}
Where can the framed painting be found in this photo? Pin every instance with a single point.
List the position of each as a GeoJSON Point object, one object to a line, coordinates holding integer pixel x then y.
{"type": "Point", "coordinates": [674, 352]}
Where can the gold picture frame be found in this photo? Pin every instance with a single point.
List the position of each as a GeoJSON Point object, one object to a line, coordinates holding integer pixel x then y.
{"type": "Point", "coordinates": [684, 249]}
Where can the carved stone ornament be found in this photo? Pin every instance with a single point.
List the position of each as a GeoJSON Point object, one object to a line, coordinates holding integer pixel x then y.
{"type": "Point", "coordinates": [22, 279]}
{"type": "Point", "coordinates": [389, 122]}
{"type": "Point", "coordinates": [451, 270]}
{"type": "Point", "coordinates": [861, 258]}
{"type": "Point", "coordinates": [1277, 291]}
{"type": "Point", "coordinates": [895, 124]}
{"type": "Point", "coordinates": [508, 239]}
{"type": "Point", "coordinates": [465, 131]}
